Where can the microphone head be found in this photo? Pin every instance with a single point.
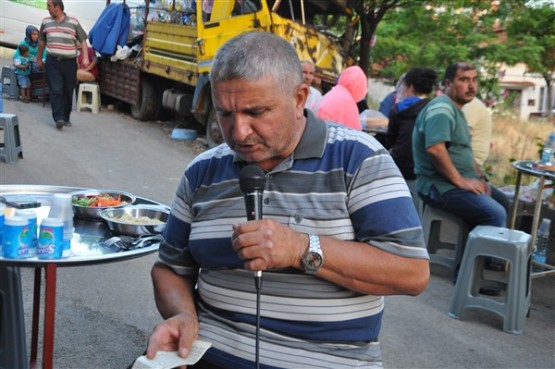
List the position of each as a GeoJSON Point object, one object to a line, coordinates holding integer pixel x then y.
{"type": "Point", "coordinates": [252, 178]}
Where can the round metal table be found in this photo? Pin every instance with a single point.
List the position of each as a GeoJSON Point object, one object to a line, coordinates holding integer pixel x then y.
{"type": "Point", "coordinates": [86, 248]}
{"type": "Point", "coordinates": [546, 178]}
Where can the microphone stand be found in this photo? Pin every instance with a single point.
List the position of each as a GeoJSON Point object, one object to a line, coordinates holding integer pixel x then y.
{"type": "Point", "coordinates": [258, 285]}
{"type": "Point", "coordinates": [257, 214]}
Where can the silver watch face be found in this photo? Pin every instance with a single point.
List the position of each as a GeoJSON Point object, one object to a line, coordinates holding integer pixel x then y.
{"type": "Point", "coordinates": [312, 260]}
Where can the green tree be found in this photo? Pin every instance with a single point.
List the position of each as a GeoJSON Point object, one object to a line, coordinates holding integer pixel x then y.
{"type": "Point", "coordinates": [434, 34]}
{"type": "Point", "coordinates": [368, 15]}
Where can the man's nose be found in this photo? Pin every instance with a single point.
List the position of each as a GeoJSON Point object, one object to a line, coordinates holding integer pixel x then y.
{"type": "Point", "coordinates": [241, 127]}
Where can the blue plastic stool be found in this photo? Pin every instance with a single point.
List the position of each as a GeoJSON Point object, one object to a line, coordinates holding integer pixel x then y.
{"type": "Point", "coordinates": [9, 82]}
{"type": "Point", "coordinates": [500, 243]}
{"type": "Point", "coordinates": [444, 253]}
{"type": "Point", "coordinates": [11, 149]}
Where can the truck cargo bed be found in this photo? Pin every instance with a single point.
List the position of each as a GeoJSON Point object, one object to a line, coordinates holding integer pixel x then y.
{"type": "Point", "coordinates": [120, 80]}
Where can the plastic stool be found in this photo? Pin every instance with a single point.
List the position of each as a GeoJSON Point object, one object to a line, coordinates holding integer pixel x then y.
{"type": "Point", "coordinates": [9, 82]}
{"type": "Point", "coordinates": [88, 97]}
{"type": "Point", "coordinates": [418, 204]}
{"type": "Point", "coordinates": [13, 351]}
{"type": "Point", "coordinates": [502, 243]}
{"type": "Point", "coordinates": [443, 253]}
{"type": "Point", "coordinates": [11, 148]}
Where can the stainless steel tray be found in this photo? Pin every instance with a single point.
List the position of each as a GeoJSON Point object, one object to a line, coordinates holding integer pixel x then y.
{"type": "Point", "coordinates": [87, 236]}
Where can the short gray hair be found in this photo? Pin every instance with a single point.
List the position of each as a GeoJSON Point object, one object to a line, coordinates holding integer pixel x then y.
{"type": "Point", "coordinates": [253, 56]}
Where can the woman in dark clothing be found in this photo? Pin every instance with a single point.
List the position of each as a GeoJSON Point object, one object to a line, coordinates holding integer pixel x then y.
{"type": "Point", "coordinates": [418, 84]}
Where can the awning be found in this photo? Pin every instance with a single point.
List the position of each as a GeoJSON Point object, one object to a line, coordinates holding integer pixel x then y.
{"type": "Point", "coordinates": [516, 85]}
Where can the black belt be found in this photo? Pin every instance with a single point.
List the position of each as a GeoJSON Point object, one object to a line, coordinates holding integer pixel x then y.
{"type": "Point", "coordinates": [60, 58]}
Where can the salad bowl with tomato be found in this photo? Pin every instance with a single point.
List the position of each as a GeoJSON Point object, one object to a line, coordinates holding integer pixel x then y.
{"type": "Point", "coordinates": [88, 204]}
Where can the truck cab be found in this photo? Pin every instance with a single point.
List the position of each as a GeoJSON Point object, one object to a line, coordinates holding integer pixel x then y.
{"type": "Point", "coordinates": [180, 40]}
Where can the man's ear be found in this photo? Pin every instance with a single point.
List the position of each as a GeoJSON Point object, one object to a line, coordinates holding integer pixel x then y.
{"type": "Point", "coordinates": [301, 94]}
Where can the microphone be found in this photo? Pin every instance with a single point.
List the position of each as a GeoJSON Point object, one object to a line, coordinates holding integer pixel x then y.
{"type": "Point", "coordinates": [252, 181]}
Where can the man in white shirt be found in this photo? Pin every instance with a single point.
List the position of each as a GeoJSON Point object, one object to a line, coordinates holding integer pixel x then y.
{"type": "Point", "coordinates": [314, 97]}
{"type": "Point", "coordinates": [480, 124]}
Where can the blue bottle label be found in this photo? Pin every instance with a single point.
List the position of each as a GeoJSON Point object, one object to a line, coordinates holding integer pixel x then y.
{"type": "Point", "coordinates": [15, 241]}
{"type": "Point", "coordinates": [50, 245]}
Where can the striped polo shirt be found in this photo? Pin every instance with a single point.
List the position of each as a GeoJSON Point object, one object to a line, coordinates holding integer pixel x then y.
{"type": "Point", "coordinates": [60, 37]}
{"type": "Point", "coordinates": [339, 183]}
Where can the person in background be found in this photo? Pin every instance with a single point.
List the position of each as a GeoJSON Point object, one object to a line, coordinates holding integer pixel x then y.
{"type": "Point", "coordinates": [207, 6]}
{"type": "Point", "coordinates": [331, 245]}
{"type": "Point", "coordinates": [32, 42]}
{"type": "Point", "coordinates": [314, 96]}
{"type": "Point", "coordinates": [387, 103]}
{"type": "Point", "coordinates": [447, 177]}
{"type": "Point", "coordinates": [90, 72]}
{"type": "Point", "coordinates": [479, 121]}
{"type": "Point", "coordinates": [23, 71]}
{"type": "Point", "coordinates": [59, 34]}
{"type": "Point", "coordinates": [418, 83]}
{"type": "Point", "coordinates": [244, 7]}
{"type": "Point", "coordinates": [392, 98]}
{"type": "Point", "coordinates": [340, 103]}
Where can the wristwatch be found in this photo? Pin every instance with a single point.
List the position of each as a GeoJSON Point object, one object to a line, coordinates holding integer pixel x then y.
{"type": "Point", "coordinates": [313, 258]}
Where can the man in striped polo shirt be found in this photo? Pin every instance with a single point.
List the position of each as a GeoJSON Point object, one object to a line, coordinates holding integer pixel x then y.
{"type": "Point", "coordinates": [59, 34]}
{"type": "Point", "coordinates": [339, 233]}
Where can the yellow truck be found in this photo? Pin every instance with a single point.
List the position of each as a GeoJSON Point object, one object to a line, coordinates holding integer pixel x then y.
{"type": "Point", "coordinates": [170, 73]}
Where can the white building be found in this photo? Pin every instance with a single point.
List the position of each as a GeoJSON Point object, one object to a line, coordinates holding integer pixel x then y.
{"type": "Point", "coordinates": [529, 89]}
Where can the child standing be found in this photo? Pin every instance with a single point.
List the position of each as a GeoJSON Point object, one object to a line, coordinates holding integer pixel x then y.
{"type": "Point", "coordinates": [23, 71]}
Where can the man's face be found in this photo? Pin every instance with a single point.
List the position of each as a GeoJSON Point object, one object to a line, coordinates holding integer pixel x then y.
{"type": "Point", "coordinates": [52, 9]}
{"type": "Point", "coordinates": [308, 73]}
{"type": "Point", "coordinates": [260, 124]}
{"type": "Point", "coordinates": [463, 87]}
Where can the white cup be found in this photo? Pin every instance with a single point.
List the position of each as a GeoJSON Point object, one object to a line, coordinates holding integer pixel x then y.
{"type": "Point", "coordinates": [61, 208]}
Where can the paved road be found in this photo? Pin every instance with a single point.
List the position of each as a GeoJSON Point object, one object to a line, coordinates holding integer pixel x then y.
{"type": "Point", "coordinates": [105, 313]}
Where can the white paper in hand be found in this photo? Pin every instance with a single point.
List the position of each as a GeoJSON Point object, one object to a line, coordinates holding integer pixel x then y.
{"type": "Point", "coordinates": [170, 359]}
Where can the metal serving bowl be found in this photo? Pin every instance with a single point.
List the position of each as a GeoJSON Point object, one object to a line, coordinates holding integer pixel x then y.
{"type": "Point", "coordinates": [135, 228]}
{"type": "Point", "coordinates": [93, 212]}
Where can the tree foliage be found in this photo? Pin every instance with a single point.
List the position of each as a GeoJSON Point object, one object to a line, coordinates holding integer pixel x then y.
{"type": "Point", "coordinates": [369, 14]}
{"type": "Point", "coordinates": [388, 37]}
{"type": "Point", "coordinates": [434, 35]}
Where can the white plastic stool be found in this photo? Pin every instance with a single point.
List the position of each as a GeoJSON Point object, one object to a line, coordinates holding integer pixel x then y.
{"type": "Point", "coordinates": [9, 82]}
{"type": "Point", "coordinates": [443, 253]}
{"type": "Point", "coordinates": [502, 243]}
{"type": "Point", "coordinates": [11, 148]}
{"type": "Point", "coordinates": [88, 97]}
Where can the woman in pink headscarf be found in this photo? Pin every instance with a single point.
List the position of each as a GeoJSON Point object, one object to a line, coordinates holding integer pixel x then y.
{"type": "Point", "coordinates": [340, 103]}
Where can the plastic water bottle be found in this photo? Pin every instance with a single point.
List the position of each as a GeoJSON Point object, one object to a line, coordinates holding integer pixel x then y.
{"type": "Point", "coordinates": [548, 150]}
{"type": "Point", "coordinates": [542, 239]}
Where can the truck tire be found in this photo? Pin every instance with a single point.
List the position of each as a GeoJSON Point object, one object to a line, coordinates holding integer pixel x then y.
{"type": "Point", "coordinates": [149, 102]}
{"type": "Point", "coordinates": [214, 135]}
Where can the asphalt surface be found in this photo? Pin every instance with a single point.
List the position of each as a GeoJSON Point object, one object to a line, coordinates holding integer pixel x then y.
{"type": "Point", "coordinates": [105, 312]}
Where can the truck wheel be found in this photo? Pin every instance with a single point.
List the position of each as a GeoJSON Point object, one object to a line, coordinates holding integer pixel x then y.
{"type": "Point", "coordinates": [149, 103]}
{"type": "Point", "coordinates": [213, 132]}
